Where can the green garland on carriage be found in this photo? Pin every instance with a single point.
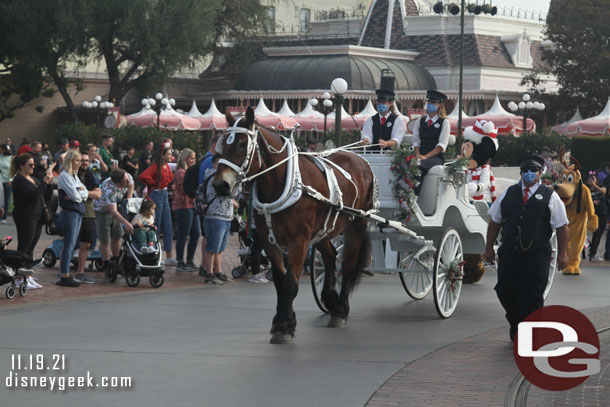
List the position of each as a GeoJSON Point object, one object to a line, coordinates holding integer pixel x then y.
{"type": "Point", "coordinates": [406, 178]}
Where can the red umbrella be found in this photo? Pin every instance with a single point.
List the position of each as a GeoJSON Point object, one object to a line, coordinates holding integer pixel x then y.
{"type": "Point", "coordinates": [594, 126]}
{"type": "Point", "coordinates": [505, 122]}
{"type": "Point", "coordinates": [170, 120]}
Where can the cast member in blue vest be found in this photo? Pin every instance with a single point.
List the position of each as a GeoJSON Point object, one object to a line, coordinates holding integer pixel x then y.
{"type": "Point", "coordinates": [387, 128]}
{"type": "Point", "coordinates": [431, 134]}
{"type": "Point", "coordinates": [527, 213]}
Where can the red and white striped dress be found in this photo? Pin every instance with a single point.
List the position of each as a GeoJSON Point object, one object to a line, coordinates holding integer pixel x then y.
{"type": "Point", "coordinates": [481, 184]}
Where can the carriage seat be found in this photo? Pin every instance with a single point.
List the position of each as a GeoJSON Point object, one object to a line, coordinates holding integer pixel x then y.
{"type": "Point", "coordinates": [429, 193]}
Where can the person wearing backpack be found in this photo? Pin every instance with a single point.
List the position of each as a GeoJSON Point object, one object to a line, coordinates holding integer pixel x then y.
{"type": "Point", "coordinates": [217, 224]}
{"type": "Point", "coordinates": [188, 220]}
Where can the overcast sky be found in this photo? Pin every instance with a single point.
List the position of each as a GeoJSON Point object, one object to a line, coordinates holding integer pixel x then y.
{"type": "Point", "coordinates": [537, 5]}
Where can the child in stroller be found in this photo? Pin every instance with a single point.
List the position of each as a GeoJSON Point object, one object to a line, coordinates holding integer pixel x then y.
{"type": "Point", "coordinates": [16, 269]}
{"type": "Point", "coordinates": [134, 261]}
{"type": "Point", "coordinates": [145, 235]}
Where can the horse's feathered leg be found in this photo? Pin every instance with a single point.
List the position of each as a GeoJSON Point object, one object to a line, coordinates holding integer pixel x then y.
{"type": "Point", "coordinates": [330, 297]}
{"type": "Point", "coordinates": [355, 251]}
{"type": "Point", "coordinates": [286, 281]}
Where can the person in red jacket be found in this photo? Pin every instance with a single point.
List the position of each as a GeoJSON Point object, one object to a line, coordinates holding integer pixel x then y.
{"type": "Point", "coordinates": [157, 177]}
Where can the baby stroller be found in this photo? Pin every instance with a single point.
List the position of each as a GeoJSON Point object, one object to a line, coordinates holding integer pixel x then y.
{"type": "Point", "coordinates": [52, 253]}
{"type": "Point", "coordinates": [14, 266]}
{"type": "Point", "coordinates": [245, 243]}
{"type": "Point", "coordinates": [132, 263]}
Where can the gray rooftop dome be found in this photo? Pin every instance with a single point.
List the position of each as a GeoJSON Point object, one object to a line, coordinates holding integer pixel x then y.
{"type": "Point", "coordinates": [318, 71]}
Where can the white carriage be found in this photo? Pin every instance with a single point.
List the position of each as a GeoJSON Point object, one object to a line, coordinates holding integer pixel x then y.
{"type": "Point", "coordinates": [427, 254]}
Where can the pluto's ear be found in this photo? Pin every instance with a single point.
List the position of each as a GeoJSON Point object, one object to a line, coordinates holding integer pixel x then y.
{"type": "Point", "coordinates": [230, 118]}
{"type": "Point", "coordinates": [249, 117]}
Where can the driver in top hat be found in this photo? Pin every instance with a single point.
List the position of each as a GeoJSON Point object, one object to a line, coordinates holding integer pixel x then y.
{"type": "Point", "coordinates": [387, 128]}
{"type": "Point", "coordinates": [431, 134]}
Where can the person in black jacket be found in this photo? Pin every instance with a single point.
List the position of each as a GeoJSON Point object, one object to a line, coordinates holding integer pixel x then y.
{"type": "Point", "coordinates": [28, 196]}
{"type": "Point", "coordinates": [527, 213]}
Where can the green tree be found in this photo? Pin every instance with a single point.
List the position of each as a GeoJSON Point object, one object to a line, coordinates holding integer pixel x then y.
{"type": "Point", "coordinates": [47, 37]}
{"type": "Point", "coordinates": [146, 41]}
{"type": "Point", "coordinates": [580, 56]}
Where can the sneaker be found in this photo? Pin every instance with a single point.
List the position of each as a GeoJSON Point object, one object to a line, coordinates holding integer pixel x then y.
{"type": "Point", "coordinates": [183, 267]}
{"type": "Point", "coordinates": [171, 261]}
{"type": "Point", "coordinates": [191, 266]}
{"type": "Point", "coordinates": [596, 259]}
{"type": "Point", "coordinates": [203, 271]}
{"type": "Point", "coordinates": [67, 282]}
{"type": "Point", "coordinates": [3, 221]}
{"type": "Point", "coordinates": [33, 284]}
{"type": "Point", "coordinates": [258, 279]}
{"type": "Point", "coordinates": [83, 278]}
{"type": "Point", "coordinates": [223, 277]}
{"type": "Point", "coordinates": [212, 279]}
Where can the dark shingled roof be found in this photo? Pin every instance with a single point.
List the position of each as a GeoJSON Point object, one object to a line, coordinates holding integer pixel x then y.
{"type": "Point", "coordinates": [479, 50]}
{"type": "Point", "coordinates": [316, 72]}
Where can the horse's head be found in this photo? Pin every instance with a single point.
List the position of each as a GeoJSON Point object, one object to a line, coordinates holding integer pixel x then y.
{"type": "Point", "coordinates": [237, 148]}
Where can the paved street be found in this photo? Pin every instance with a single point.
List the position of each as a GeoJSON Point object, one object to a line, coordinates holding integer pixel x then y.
{"type": "Point", "coordinates": [188, 344]}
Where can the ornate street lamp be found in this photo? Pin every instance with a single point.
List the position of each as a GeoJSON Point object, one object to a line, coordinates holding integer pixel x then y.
{"type": "Point", "coordinates": [98, 105]}
{"type": "Point", "coordinates": [339, 87]}
{"type": "Point", "coordinates": [325, 108]}
{"type": "Point", "coordinates": [525, 106]}
{"type": "Point", "coordinates": [164, 104]}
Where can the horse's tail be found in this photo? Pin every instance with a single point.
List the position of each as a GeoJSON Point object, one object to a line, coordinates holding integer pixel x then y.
{"type": "Point", "coordinates": [362, 261]}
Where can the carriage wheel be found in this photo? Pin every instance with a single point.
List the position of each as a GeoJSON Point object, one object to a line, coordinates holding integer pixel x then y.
{"type": "Point", "coordinates": [23, 288]}
{"type": "Point", "coordinates": [99, 264]}
{"type": "Point", "coordinates": [132, 279]}
{"type": "Point", "coordinates": [156, 279]}
{"type": "Point", "coordinates": [448, 273]}
{"type": "Point", "coordinates": [417, 278]}
{"type": "Point", "coordinates": [316, 268]}
{"type": "Point", "coordinates": [552, 267]}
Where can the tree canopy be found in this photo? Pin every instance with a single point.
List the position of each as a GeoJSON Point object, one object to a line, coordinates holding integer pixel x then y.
{"type": "Point", "coordinates": [141, 42]}
{"type": "Point", "coordinates": [580, 55]}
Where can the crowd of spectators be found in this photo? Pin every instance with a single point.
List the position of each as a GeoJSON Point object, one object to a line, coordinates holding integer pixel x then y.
{"type": "Point", "coordinates": [91, 183]}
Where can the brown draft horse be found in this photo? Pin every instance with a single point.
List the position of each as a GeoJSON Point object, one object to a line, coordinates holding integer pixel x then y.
{"type": "Point", "coordinates": [295, 226]}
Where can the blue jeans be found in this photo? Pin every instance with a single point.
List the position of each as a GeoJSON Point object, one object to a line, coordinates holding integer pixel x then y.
{"type": "Point", "coordinates": [7, 197]}
{"type": "Point", "coordinates": [163, 218]}
{"type": "Point", "coordinates": [217, 234]}
{"type": "Point", "coordinates": [70, 221]}
{"type": "Point", "coordinates": [188, 225]}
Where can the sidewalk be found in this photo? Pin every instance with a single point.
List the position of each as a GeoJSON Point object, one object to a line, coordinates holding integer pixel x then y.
{"type": "Point", "coordinates": [173, 279]}
{"type": "Point", "coordinates": [481, 371]}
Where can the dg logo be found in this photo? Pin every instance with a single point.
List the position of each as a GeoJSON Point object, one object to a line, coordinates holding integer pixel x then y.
{"type": "Point", "coordinates": [557, 348]}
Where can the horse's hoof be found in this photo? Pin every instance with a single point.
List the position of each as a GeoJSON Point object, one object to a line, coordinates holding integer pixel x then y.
{"type": "Point", "coordinates": [279, 338]}
{"type": "Point", "coordinates": [337, 322]}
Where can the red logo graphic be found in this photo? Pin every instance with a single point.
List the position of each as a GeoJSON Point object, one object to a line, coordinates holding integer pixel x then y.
{"type": "Point", "coordinates": [557, 348]}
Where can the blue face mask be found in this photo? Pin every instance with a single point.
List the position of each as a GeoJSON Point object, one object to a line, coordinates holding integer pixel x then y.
{"type": "Point", "coordinates": [382, 108]}
{"type": "Point", "coordinates": [529, 177]}
{"type": "Point", "coordinates": [431, 108]}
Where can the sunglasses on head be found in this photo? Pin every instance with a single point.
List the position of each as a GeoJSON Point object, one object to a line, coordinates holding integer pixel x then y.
{"type": "Point", "coordinates": [532, 169]}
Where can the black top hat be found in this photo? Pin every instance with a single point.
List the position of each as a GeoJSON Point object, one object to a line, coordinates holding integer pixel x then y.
{"type": "Point", "coordinates": [386, 85]}
{"type": "Point", "coordinates": [435, 96]}
{"type": "Point", "coordinates": [531, 161]}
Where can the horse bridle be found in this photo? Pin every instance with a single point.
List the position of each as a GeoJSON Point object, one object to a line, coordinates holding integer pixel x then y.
{"type": "Point", "coordinates": [251, 149]}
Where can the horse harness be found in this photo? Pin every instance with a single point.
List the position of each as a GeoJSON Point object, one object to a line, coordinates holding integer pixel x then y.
{"type": "Point", "coordinates": [293, 186]}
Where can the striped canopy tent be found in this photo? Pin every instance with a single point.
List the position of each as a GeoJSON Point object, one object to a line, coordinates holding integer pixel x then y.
{"type": "Point", "coordinates": [285, 110]}
{"type": "Point", "coordinates": [267, 118]}
{"type": "Point", "coordinates": [212, 119]}
{"type": "Point", "coordinates": [368, 111]}
{"type": "Point", "coordinates": [563, 127]}
{"type": "Point", "coordinates": [169, 120]}
{"type": "Point", "coordinates": [594, 126]}
{"type": "Point", "coordinates": [506, 123]}
{"type": "Point", "coordinates": [310, 119]}
{"type": "Point", "coordinates": [453, 118]}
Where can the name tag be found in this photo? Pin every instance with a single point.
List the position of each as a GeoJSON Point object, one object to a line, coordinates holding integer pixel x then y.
{"type": "Point", "coordinates": [436, 125]}
{"type": "Point", "coordinates": [538, 196]}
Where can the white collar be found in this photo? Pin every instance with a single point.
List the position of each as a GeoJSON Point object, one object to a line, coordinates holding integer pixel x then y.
{"type": "Point", "coordinates": [533, 188]}
{"type": "Point", "coordinates": [434, 119]}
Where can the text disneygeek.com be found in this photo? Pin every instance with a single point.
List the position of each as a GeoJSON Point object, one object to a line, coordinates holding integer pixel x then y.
{"type": "Point", "coordinates": [27, 372]}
